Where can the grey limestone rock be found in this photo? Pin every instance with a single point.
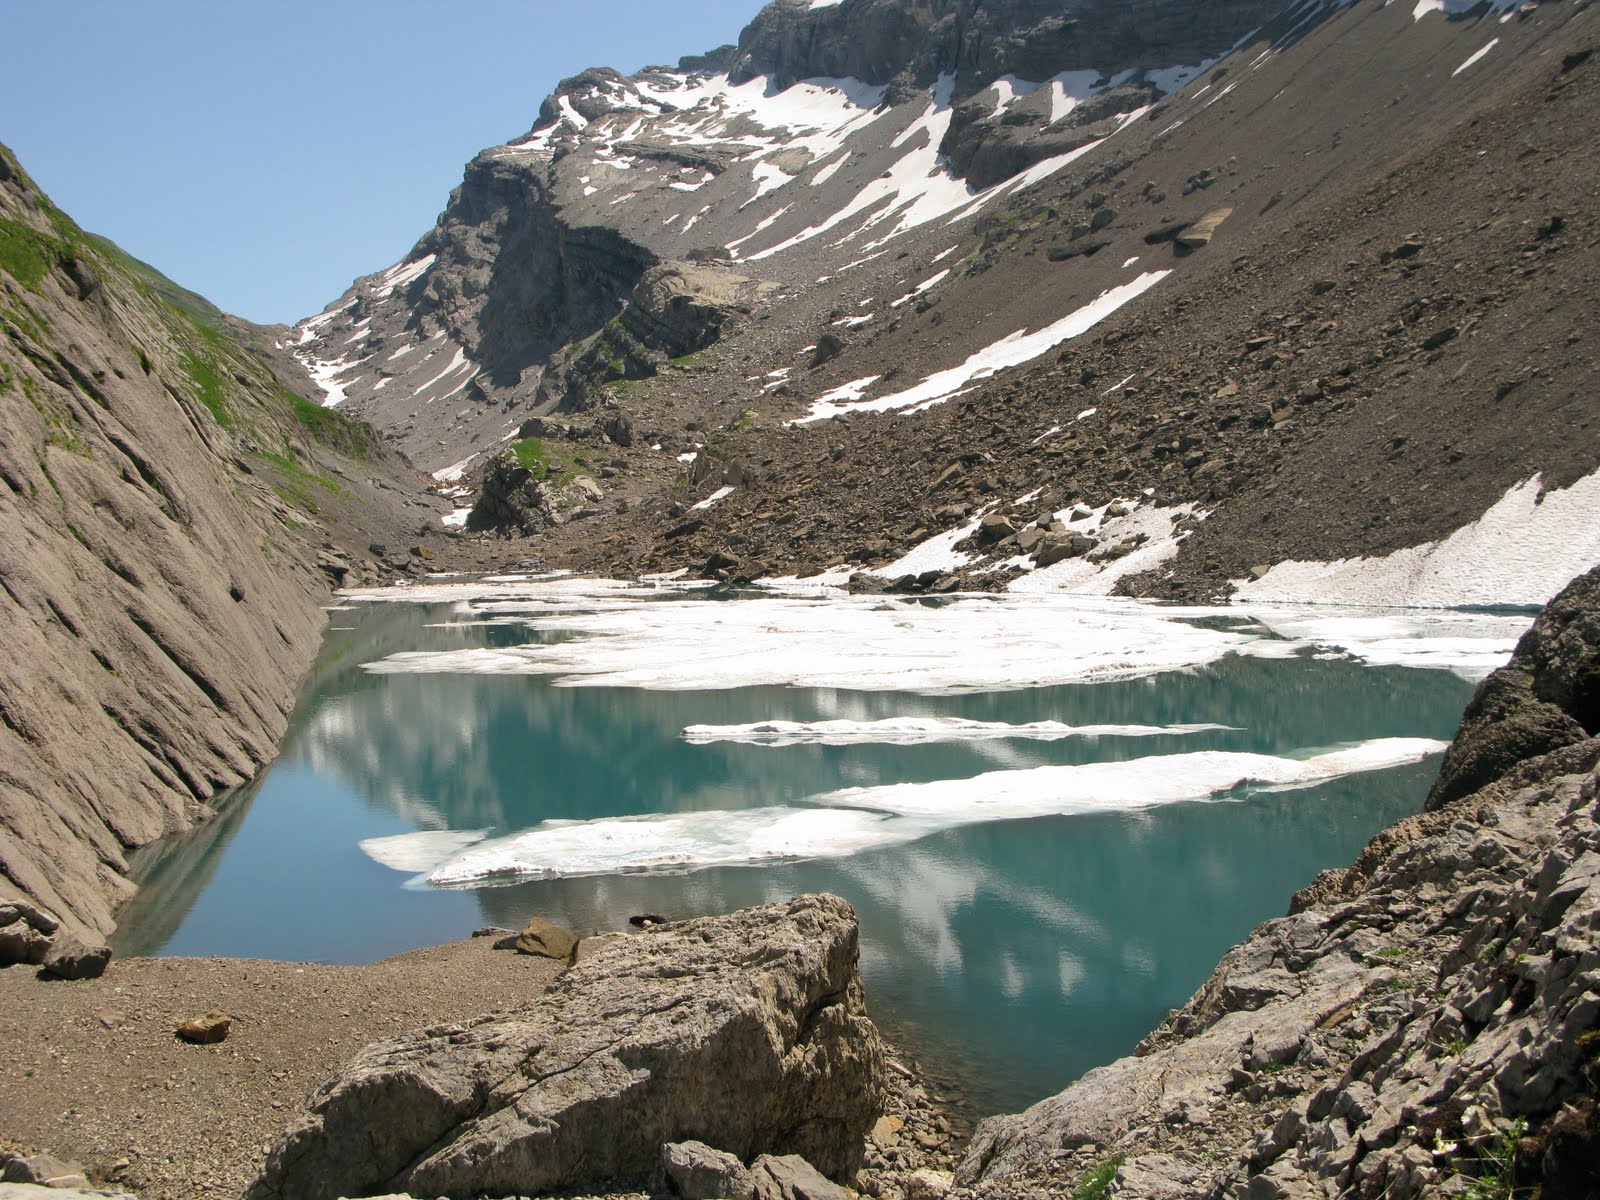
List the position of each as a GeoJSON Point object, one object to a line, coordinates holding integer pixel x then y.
{"type": "Point", "coordinates": [70, 958]}
{"type": "Point", "coordinates": [698, 1172]}
{"type": "Point", "coordinates": [746, 1032]}
{"type": "Point", "coordinates": [790, 1177]}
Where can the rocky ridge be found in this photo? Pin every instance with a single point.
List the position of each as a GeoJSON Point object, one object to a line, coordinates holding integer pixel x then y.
{"type": "Point", "coordinates": [1356, 329]}
{"type": "Point", "coordinates": [172, 519]}
{"type": "Point", "coordinates": [1422, 1023]}
{"type": "Point", "coordinates": [523, 299]}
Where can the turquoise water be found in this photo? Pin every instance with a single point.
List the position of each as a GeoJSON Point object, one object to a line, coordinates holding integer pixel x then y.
{"type": "Point", "coordinates": [1017, 954]}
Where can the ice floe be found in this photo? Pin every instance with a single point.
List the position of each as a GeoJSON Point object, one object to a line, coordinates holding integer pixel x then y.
{"type": "Point", "coordinates": [847, 822]}
{"type": "Point", "coordinates": [917, 731]}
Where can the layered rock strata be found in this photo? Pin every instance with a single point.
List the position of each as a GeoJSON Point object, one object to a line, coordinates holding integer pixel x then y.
{"type": "Point", "coordinates": [1425, 1021]}
{"type": "Point", "coordinates": [746, 1032]}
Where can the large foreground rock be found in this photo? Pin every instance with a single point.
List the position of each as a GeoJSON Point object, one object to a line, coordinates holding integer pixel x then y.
{"type": "Point", "coordinates": [746, 1032]}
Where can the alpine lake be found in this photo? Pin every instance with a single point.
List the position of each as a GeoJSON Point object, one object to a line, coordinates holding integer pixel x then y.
{"type": "Point", "coordinates": [454, 763]}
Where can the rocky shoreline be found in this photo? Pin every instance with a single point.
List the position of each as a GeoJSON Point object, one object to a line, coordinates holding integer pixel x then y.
{"type": "Point", "coordinates": [1423, 1022]}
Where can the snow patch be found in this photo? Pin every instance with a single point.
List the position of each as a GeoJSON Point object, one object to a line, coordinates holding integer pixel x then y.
{"type": "Point", "coordinates": [1523, 551]}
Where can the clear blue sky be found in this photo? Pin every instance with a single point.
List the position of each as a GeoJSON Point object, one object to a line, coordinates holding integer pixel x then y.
{"type": "Point", "coordinates": [266, 152]}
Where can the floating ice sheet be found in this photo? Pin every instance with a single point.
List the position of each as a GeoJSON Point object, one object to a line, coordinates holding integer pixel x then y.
{"type": "Point", "coordinates": [843, 823]}
{"type": "Point", "coordinates": [917, 731]}
{"type": "Point", "coordinates": [863, 643]}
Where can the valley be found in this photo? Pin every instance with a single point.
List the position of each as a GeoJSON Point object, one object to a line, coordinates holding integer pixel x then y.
{"type": "Point", "coordinates": [1001, 495]}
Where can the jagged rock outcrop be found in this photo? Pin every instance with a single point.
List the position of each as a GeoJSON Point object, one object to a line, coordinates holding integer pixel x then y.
{"type": "Point", "coordinates": [746, 1032]}
{"type": "Point", "coordinates": [1546, 698]}
{"type": "Point", "coordinates": [1425, 1021]}
{"type": "Point", "coordinates": [912, 44]}
{"type": "Point", "coordinates": [160, 539]}
{"type": "Point", "coordinates": [548, 272]}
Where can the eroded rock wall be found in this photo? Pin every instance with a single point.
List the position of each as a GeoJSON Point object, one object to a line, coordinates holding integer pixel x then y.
{"type": "Point", "coordinates": [159, 580]}
{"type": "Point", "coordinates": [1425, 1019]}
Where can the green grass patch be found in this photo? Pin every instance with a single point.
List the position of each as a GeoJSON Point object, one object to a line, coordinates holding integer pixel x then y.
{"type": "Point", "coordinates": [306, 489]}
{"type": "Point", "coordinates": [26, 254]}
{"type": "Point", "coordinates": [210, 386]}
{"type": "Point", "coordinates": [551, 461]}
{"type": "Point", "coordinates": [1093, 1184]}
{"type": "Point", "coordinates": [331, 428]}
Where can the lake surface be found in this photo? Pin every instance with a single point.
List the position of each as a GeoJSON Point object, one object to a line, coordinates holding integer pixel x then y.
{"type": "Point", "coordinates": [1032, 900]}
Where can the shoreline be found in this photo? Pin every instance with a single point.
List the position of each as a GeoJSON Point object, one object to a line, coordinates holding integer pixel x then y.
{"type": "Point", "coordinates": [99, 1079]}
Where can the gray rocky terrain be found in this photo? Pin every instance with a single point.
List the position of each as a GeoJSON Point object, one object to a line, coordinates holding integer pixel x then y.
{"type": "Point", "coordinates": [1425, 1022]}
{"type": "Point", "coordinates": [173, 519]}
{"type": "Point", "coordinates": [747, 1032]}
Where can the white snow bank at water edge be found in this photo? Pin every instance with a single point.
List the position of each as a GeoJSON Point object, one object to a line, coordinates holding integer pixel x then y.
{"type": "Point", "coordinates": [1521, 552]}
{"type": "Point", "coordinates": [918, 731]}
{"type": "Point", "coordinates": [1469, 644]}
{"type": "Point", "coordinates": [843, 823]}
{"type": "Point", "coordinates": [861, 643]}
{"type": "Point", "coordinates": [809, 634]}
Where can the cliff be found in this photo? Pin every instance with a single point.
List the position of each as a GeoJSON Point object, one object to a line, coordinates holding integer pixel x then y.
{"type": "Point", "coordinates": [1424, 1022]}
{"type": "Point", "coordinates": [164, 553]}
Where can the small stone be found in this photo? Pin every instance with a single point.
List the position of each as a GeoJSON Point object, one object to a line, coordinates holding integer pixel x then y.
{"type": "Point", "coordinates": [546, 940]}
{"type": "Point", "coordinates": [886, 1132]}
{"type": "Point", "coordinates": [206, 1030]}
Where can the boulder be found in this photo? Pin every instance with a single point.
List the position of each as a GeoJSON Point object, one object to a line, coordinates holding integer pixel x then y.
{"type": "Point", "coordinates": [1202, 231]}
{"type": "Point", "coordinates": [790, 1177]}
{"type": "Point", "coordinates": [542, 938]}
{"type": "Point", "coordinates": [1546, 698]}
{"type": "Point", "coordinates": [995, 528]}
{"type": "Point", "coordinates": [1057, 547]}
{"type": "Point", "coordinates": [71, 959]}
{"type": "Point", "coordinates": [698, 1172]}
{"type": "Point", "coordinates": [747, 1032]}
{"type": "Point", "coordinates": [24, 935]}
{"type": "Point", "coordinates": [43, 1169]}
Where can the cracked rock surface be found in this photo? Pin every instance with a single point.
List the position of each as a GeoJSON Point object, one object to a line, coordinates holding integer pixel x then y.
{"type": "Point", "coordinates": [747, 1032]}
{"type": "Point", "coordinates": [1426, 1022]}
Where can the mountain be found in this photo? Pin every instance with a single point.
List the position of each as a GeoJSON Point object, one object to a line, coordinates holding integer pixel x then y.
{"type": "Point", "coordinates": [1300, 282]}
{"type": "Point", "coordinates": [172, 520]}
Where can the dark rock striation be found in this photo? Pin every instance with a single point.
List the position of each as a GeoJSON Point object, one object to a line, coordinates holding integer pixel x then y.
{"type": "Point", "coordinates": [162, 567]}
{"type": "Point", "coordinates": [746, 1032]}
{"type": "Point", "coordinates": [908, 45]}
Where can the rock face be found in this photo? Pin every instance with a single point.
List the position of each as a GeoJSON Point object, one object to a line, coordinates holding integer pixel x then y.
{"type": "Point", "coordinates": [598, 244]}
{"type": "Point", "coordinates": [745, 1032]}
{"type": "Point", "coordinates": [1425, 1019]}
{"type": "Point", "coordinates": [912, 44]}
{"type": "Point", "coordinates": [159, 551]}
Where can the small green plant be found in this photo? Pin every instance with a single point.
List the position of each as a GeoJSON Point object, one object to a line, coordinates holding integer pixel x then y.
{"type": "Point", "coordinates": [1393, 952]}
{"type": "Point", "coordinates": [1093, 1184]}
{"type": "Point", "coordinates": [1457, 1045]}
{"type": "Point", "coordinates": [1497, 1162]}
